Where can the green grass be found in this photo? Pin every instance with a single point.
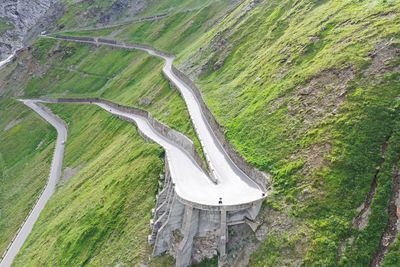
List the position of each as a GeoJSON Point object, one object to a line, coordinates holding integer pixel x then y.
{"type": "Point", "coordinates": [253, 86]}
{"type": "Point", "coordinates": [26, 146]}
{"type": "Point", "coordinates": [101, 215]}
{"type": "Point", "coordinates": [252, 69]}
{"type": "Point", "coordinates": [176, 32]}
{"type": "Point", "coordinates": [5, 25]}
{"type": "Point", "coordinates": [110, 156]}
{"type": "Point", "coordinates": [175, 6]}
{"type": "Point", "coordinates": [127, 77]}
{"type": "Point", "coordinates": [81, 14]}
{"type": "Point", "coordinates": [92, 33]}
{"type": "Point", "coordinates": [172, 33]}
{"type": "Point", "coordinates": [392, 257]}
{"type": "Point", "coordinates": [254, 65]}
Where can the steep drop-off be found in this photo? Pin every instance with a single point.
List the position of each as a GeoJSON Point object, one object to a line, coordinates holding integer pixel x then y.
{"type": "Point", "coordinates": [306, 90]}
{"type": "Point", "coordinates": [310, 92]}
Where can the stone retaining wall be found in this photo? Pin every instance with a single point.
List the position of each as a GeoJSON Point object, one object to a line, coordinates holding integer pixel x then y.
{"type": "Point", "coordinates": [107, 41]}
{"type": "Point", "coordinates": [179, 139]}
{"type": "Point", "coordinates": [261, 178]}
{"type": "Point", "coordinates": [77, 38]}
{"type": "Point", "coordinates": [201, 236]}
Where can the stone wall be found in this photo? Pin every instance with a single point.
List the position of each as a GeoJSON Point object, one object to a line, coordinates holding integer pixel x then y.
{"type": "Point", "coordinates": [179, 139]}
{"type": "Point", "coordinates": [261, 178]}
{"type": "Point", "coordinates": [77, 38]}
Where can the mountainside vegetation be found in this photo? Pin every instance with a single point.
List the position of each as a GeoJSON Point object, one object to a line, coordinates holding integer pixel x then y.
{"type": "Point", "coordinates": [320, 89]}
{"type": "Point", "coordinates": [318, 85]}
{"type": "Point", "coordinates": [308, 91]}
{"type": "Point", "coordinates": [100, 13]}
{"type": "Point", "coordinates": [100, 213]}
{"type": "Point", "coordinates": [5, 25]}
{"type": "Point", "coordinates": [60, 69]}
{"type": "Point", "coordinates": [26, 149]}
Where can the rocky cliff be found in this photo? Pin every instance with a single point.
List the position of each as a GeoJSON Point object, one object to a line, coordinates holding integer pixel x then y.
{"type": "Point", "coordinates": [21, 20]}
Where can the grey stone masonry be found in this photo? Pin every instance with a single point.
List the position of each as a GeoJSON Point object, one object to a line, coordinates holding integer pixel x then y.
{"type": "Point", "coordinates": [177, 224]}
{"type": "Point", "coordinates": [178, 138]}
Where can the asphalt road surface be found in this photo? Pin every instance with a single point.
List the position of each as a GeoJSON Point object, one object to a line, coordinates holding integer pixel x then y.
{"type": "Point", "coordinates": [223, 169]}
{"type": "Point", "coordinates": [55, 173]}
{"type": "Point", "coordinates": [233, 186]}
{"type": "Point", "coordinates": [191, 183]}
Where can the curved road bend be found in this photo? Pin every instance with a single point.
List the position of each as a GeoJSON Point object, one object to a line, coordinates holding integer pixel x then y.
{"type": "Point", "coordinates": [191, 183]}
{"type": "Point", "coordinates": [55, 173]}
{"type": "Point", "coordinates": [223, 169]}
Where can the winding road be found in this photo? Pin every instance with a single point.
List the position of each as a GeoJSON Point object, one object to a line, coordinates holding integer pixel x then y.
{"type": "Point", "coordinates": [223, 169]}
{"type": "Point", "coordinates": [55, 173]}
{"type": "Point", "coordinates": [192, 184]}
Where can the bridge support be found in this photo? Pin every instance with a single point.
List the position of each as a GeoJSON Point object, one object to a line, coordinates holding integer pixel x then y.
{"type": "Point", "coordinates": [192, 232]}
{"type": "Point", "coordinates": [223, 239]}
{"type": "Point", "coordinates": [189, 230]}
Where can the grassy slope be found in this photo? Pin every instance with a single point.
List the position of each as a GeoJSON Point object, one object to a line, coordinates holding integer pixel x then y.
{"type": "Point", "coordinates": [174, 6]}
{"type": "Point", "coordinates": [75, 70]}
{"type": "Point", "coordinates": [173, 33]}
{"type": "Point", "coordinates": [285, 57]}
{"type": "Point", "coordinates": [100, 216]}
{"type": "Point", "coordinates": [26, 145]}
{"type": "Point", "coordinates": [5, 25]}
{"type": "Point", "coordinates": [81, 13]}
{"type": "Point", "coordinates": [84, 13]}
{"type": "Point", "coordinates": [128, 77]}
{"type": "Point", "coordinates": [132, 78]}
{"type": "Point", "coordinates": [258, 86]}
{"type": "Point", "coordinates": [323, 148]}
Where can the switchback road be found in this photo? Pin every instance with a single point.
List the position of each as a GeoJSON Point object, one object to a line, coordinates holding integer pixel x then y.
{"type": "Point", "coordinates": [55, 173]}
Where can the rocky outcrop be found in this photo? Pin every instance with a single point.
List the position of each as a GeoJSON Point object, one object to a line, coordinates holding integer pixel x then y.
{"type": "Point", "coordinates": [120, 8]}
{"type": "Point", "coordinates": [26, 20]}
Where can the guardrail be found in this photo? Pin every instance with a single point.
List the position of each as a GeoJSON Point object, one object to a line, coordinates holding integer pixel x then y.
{"type": "Point", "coordinates": [176, 137]}
{"type": "Point", "coordinates": [260, 178]}
{"type": "Point", "coordinates": [253, 173]}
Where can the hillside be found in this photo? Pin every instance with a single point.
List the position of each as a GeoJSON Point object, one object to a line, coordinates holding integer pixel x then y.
{"type": "Point", "coordinates": [80, 73]}
{"type": "Point", "coordinates": [99, 216]}
{"type": "Point", "coordinates": [318, 85]}
{"type": "Point", "coordinates": [26, 145]}
{"type": "Point", "coordinates": [308, 91]}
{"type": "Point", "coordinates": [320, 91]}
